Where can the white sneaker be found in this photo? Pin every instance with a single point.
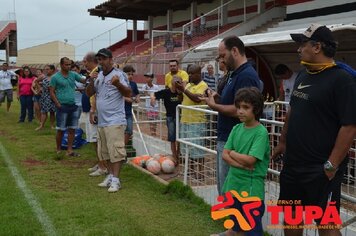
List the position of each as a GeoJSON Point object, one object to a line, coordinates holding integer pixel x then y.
{"type": "Point", "coordinates": [106, 183]}
{"type": "Point", "coordinates": [98, 172]}
{"type": "Point", "coordinates": [94, 168]}
{"type": "Point", "coordinates": [114, 186]}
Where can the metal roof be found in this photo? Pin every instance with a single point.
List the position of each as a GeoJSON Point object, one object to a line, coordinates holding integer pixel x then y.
{"type": "Point", "coordinates": [282, 37]}
{"type": "Point", "coordinates": [140, 9]}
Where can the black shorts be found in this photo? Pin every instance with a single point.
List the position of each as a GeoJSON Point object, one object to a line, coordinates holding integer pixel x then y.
{"type": "Point", "coordinates": [311, 187]}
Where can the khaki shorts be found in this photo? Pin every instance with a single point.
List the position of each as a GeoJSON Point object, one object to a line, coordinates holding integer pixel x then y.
{"type": "Point", "coordinates": [111, 144]}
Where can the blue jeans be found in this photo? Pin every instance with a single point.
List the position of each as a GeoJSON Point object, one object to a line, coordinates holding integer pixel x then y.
{"type": "Point", "coordinates": [67, 118]}
{"type": "Point", "coordinates": [26, 105]}
{"type": "Point", "coordinates": [222, 167]}
{"type": "Point", "coordinates": [129, 126]}
{"type": "Point", "coordinates": [171, 125]}
{"type": "Point", "coordinates": [192, 130]}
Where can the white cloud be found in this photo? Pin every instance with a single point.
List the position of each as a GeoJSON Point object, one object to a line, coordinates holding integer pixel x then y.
{"type": "Point", "coordinates": [41, 21]}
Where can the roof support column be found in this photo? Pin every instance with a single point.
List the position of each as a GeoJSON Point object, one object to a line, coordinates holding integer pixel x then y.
{"type": "Point", "coordinates": [193, 13]}
{"type": "Point", "coordinates": [134, 30]}
{"type": "Point", "coordinates": [223, 13]}
{"type": "Point", "coordinates": [193, 10]}
{"type": "Point", "coordinates": [7, 50]}
{"type": "Point", "coordinates": [150, 26]}
{"type": "Point", "coordinates": [261, 6]}
{"type": "Point", "coordinates": [169, 19]}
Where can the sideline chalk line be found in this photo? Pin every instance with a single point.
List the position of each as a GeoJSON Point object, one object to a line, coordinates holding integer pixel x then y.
{"type": "Point", "coordinates": [41, 215]}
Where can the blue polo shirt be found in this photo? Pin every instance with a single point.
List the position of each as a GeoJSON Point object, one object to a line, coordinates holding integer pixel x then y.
{"type": "Point", "coordinates": [244, 76]}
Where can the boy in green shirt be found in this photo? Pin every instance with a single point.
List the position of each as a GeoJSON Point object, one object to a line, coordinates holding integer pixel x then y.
{"type": "Point", "coordinates": [247, 152]}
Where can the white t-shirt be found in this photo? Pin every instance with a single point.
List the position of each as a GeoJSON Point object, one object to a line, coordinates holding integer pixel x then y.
{"type": "Point", "coordinates": [110, 103]}
{"type": "Point", "coordinates": [288, 85]}
{"type": "Point", "coordinates": [5, 79]}
{"type": "Point", "coordinates": [149, 90]}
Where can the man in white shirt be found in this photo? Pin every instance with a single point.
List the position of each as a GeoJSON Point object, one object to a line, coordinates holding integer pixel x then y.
{"type": "Point", "coordinates": [110, 87]}
{"type": "Point", "coordinates": [5, 85]}
{"type": "Point", "coordinates": [287, 77]}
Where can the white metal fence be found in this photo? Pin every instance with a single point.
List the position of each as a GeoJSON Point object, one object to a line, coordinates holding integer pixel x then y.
{"type": "Point", "coordinates": [197, 160]}
{"type": "Point", "coordinates": [201, 175]}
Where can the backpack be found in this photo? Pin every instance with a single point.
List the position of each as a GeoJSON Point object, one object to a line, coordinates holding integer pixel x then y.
{"type": "Point", "coordinates": [77, 142]}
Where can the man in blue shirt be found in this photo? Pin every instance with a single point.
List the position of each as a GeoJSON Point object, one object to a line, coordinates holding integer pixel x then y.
{"type": "Point", "coordinates": [232, 51]}
{"type": "Point", "coordinates": [129, 70]}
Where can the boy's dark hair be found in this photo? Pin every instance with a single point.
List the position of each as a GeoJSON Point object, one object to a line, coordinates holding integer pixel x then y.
{"type": "Point", "coordinates": [281, 69]}
{"type": "Point", "coordinates": [128, 68]}
{"type": "Point", "coordinates": [252, 96]}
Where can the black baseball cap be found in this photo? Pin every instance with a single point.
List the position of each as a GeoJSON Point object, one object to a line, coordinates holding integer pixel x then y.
{"type": "Point", "coordinates": [315, 32]}
{"type": "Point", "coordinates": [151, 75]}
{"type": "Point", "coordinates": [104, 52]}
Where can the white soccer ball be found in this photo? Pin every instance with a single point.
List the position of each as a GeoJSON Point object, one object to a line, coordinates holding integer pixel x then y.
{"type": "Point", "coordinates": [168, 166]}
{"type": "Point", "coordinates": [153, 166]}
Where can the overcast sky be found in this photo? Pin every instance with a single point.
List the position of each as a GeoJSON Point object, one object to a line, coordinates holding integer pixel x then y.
{"type": "Point", "coordinates": [42, 21]}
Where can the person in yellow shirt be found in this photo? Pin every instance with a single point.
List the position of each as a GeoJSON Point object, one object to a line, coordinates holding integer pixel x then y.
{"type": "Point", "coordinates": [175, 72]}
{"type": "Point", "coordinates": [193, 123]}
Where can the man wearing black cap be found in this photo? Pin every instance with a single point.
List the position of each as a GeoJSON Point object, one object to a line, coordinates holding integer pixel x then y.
{"type": "Point", "coordinates": [319, 128]}
{"type": "Point", "coordinates": [110, 87]}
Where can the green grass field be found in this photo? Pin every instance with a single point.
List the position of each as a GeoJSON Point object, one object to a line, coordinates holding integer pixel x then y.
{"type": "Point", "coordinates": [72, 203]}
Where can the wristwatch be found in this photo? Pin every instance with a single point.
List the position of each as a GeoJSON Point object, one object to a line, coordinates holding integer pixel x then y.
{"type": "Point", "coordinates": [328, 166]}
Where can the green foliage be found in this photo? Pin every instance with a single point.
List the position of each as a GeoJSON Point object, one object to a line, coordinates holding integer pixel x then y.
{"type": "Point", "coordinates": [177, 189]}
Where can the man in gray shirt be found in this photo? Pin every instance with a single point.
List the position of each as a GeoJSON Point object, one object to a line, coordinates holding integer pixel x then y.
{"type": "Point", "coordinates": [110, 87]}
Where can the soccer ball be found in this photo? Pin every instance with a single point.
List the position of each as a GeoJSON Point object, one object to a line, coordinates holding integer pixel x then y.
{"type": "Point", "coordinates": [153, 166]}
{"type": "Point", "coordinates": [140, 160]}
{"type": "Point", "coordinates": [167, 166]}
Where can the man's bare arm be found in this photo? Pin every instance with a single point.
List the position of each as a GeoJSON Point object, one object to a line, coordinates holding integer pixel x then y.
{"type": "Point", "coordinates": [53, 97]}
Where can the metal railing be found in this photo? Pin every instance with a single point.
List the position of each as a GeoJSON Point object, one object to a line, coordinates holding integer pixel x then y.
{"type": "Point", "coordinates": [202, 177]}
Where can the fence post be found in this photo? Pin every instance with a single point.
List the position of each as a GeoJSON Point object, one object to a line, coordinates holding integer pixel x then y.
{"type": "Point", "coordinates": [186, 159]}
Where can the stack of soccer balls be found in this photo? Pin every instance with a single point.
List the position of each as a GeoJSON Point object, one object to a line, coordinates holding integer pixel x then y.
{"type": "Point", "coordinates": [155, 164]}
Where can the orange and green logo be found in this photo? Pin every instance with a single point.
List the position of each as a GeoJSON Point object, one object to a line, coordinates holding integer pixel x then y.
{"type": "Point", "coordinates": [293, 213]}
{"type": "Point", "coordinates": [246, 220]}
